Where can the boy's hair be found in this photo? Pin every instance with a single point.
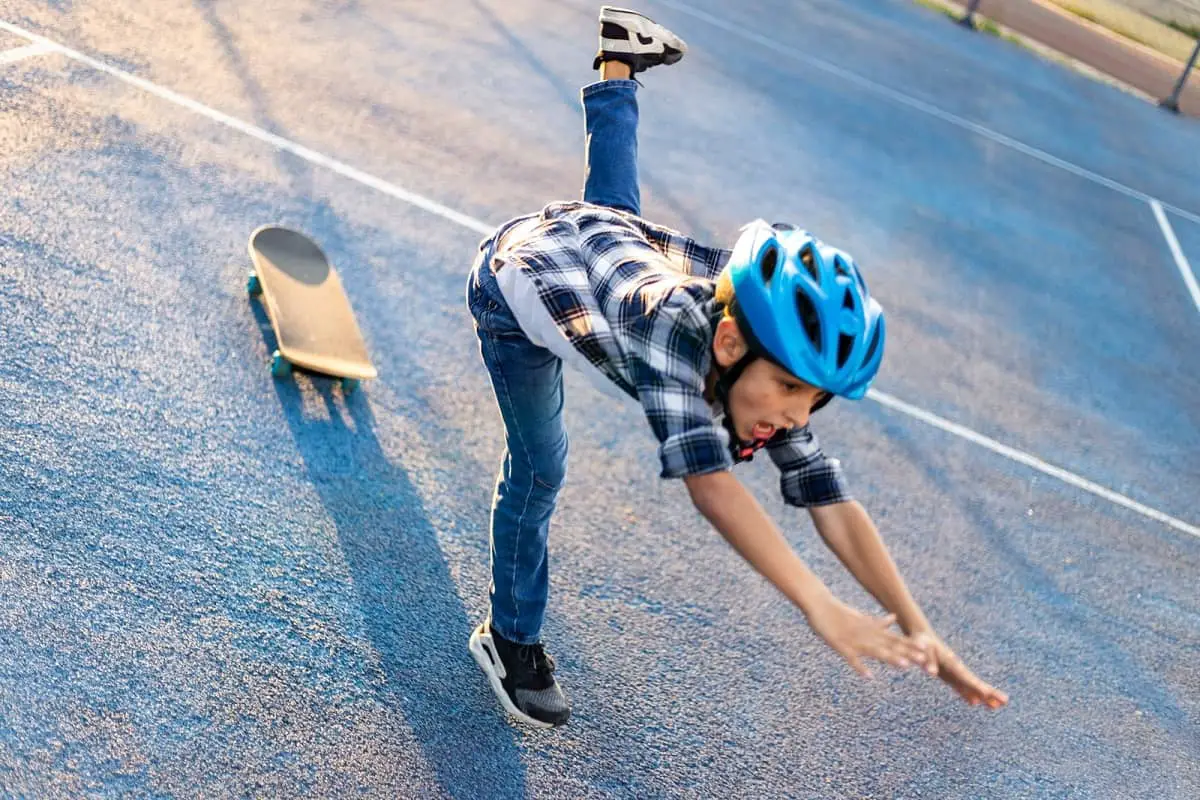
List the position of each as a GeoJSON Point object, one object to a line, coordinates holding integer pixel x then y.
{"type": "Point", "coordinates": [724, 293]}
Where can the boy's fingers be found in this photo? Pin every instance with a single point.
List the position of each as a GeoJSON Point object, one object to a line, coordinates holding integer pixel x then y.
{"type": "Point", "coordinates": [901, 647]}
{"type": "Point", "coordinates": [904, 644]}
{"type": "Point", "coordinates": [993, 697]}
{"type": "Point", "coordinates": [932, 665]}
{"type": "Point", "coordinates": [979, 693]}
{"type": "Point", "coordinates": [976, 685]}
{"type": "Point", "coordinates": [886, 648]}
{"type": "Point", "coordinates": [917, 654]}
{"type": "Point", "coordinates": [858, 665]}
{"type": "Point", "coordinates": [902, 651]}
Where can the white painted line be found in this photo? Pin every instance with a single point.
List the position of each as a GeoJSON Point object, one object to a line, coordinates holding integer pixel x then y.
{"type": "Point", "coordinates": [1185, 269]}
{"type": "Point", "coordinates": [28, 51]}
{"type": "Point", "coordinates": [478, 226]}
{"type": "Point", "coordinates": [922, 106]}
{"type": "Point", "coordinates": [390, 189]}
{"type": "Point", "coordinates": [1031, 461]}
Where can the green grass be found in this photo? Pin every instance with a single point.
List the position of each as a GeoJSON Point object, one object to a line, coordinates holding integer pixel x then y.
{"type": "Point", "coordinates": [935, 6]}
{"type": "Point", "coordinates": [1190, 30]}
{"type": "Point", "coordinates": [1165, 36]}
{"type": "Point", "coordinates": [987, 26]}
{"type": "Point", "coordinates": [1171, 39]}
{"type": "Point", "coordinates": [981, 23]}
{"type": "Point", "coordinates": [1083, 14]}
{"type": "Point", "coordinates": [1115, 26]}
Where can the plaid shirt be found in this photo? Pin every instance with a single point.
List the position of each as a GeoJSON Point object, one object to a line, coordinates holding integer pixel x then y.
{"type": "Point", "coordinates": [636, 301]}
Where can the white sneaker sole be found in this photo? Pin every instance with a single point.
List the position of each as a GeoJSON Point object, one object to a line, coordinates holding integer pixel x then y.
{"type": "Point", "coordinates": [483, 651]}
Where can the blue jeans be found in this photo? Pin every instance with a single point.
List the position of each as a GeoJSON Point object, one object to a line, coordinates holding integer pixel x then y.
{"type": "Point", "coordinates": [527, 381]}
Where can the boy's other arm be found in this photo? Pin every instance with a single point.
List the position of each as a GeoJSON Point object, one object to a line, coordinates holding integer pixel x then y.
{"type": "Point", "coordinates": [849, 532]}
{"type": "Point", "coordinates": [852, 536]}
{"type": "Point", "coordinates": [738, 517]}
{"type": "Point", "coordinates": [734, 512]}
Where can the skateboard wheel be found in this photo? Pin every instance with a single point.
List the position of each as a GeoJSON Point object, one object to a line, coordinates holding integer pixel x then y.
{"type": "Point", "coordinates": [253, 285]}
{"type": "Point", "coordinates": [350, 385]}
{"type": "Point", "coordinates": [280, 366]}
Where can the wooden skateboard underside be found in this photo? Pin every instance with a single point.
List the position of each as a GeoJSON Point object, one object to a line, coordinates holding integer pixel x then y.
{"type": "Point", "coordinates": [307, 305]}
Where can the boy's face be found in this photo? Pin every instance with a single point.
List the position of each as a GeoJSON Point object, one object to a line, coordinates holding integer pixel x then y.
{"type": "Point", "coordinates": [765, 398]}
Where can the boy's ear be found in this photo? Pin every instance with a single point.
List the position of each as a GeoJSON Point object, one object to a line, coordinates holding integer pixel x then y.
{"type": "Point", "coordinates": [728, 344]}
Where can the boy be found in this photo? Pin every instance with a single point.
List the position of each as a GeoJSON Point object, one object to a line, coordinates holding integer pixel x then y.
{"type": "Point", "coordinates": [726, 351]}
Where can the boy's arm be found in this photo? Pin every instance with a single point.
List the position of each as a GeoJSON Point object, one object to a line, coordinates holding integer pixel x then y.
{"type": "Point", "coordinates": [851, 535]}
{"type": "Point", "coordinates": [734, 512]}
{"type": "Point", "coordinates": [670, 376]}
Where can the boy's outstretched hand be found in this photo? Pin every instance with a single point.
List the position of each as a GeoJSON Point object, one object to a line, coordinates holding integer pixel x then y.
{"type": "Point", "coordinates": [947, 666]}
{"type": "Point", "coordinates": [855, 636]}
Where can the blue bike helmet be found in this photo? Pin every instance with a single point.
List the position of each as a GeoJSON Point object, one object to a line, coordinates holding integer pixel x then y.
{"type": "Point", "coordinates": [804, 305]}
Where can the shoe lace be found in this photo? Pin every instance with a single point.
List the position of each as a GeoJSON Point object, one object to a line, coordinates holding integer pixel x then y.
{"type": "Point", "coordinates": [536, 656]}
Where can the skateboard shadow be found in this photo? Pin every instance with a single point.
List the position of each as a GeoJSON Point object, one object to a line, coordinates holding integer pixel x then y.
{"type": "Point", "coordinates": [416, 622]}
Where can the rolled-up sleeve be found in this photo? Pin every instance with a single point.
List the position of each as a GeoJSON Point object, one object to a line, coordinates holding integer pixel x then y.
{"type": "Point", "coordinates": [807, 476]}
{"type": "Point", "coordinates": [694, 450]}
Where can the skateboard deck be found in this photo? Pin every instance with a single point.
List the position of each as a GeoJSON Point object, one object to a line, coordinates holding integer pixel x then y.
{"type": "Point", "coordinates": [307, 306]}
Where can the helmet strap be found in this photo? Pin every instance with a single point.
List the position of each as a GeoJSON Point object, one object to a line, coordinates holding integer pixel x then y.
{"type": "Point", "coordinates": [725, 380]}
{"type": "Point", "coordinates": [726, 377]}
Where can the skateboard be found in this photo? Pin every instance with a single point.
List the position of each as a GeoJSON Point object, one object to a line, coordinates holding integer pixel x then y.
{"type": "Point", "coordinates": [308, 308]}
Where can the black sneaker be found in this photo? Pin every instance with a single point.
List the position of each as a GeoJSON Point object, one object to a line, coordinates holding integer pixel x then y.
{"type": "Point", "coordinates": [636, 40]}
{"type": "Point", "coordinates": [522, 676]}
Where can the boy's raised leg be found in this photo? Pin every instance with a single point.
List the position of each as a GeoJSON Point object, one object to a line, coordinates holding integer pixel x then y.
{"type": "Point", "coordinates": [610, 113]}
{"type": "Point", "coordinates": [629, 43]}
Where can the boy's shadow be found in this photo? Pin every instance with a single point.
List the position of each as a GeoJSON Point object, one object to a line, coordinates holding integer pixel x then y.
{"type": "Point", "coordinates": [410, 605]}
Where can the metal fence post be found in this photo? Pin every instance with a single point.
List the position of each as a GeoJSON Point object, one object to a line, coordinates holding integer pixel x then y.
{"type": "Point", "coordinates": [1172, 102]}
{"type": "Point", "coordinates": [969, 19]}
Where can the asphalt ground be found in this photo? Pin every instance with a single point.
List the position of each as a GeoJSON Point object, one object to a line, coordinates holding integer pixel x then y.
{"type": "Point", "coordinates": [214, 583]}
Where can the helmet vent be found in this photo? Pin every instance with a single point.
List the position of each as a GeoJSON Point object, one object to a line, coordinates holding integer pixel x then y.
{"type": "Point", "coordinates": [809, 261]}
{"type": "Point", "coordinates": [848, 300]}
{"type": "Point", "coordinates": [871, 348]}
{"type": "Point", "coordinates": [768, 262]}
{"type": "Point", "coordinates": [809, 319]}
{"type": "Point", "coordinates": [840, 267]}
{"type": "Point", "coordinates": [845, 346]}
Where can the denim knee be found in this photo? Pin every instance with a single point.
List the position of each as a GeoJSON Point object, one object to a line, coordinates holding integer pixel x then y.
{"type": "Point", "coordinates": [549, 467]}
